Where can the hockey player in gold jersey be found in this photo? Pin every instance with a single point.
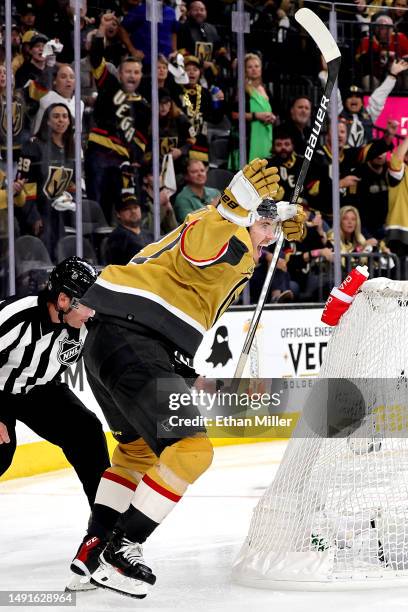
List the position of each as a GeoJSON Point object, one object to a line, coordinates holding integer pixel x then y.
{"type": "Point", "coordinates": [160, 303]}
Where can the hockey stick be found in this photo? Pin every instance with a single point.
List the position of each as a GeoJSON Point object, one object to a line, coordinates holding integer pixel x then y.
{"type": "Point", "coordinates": [330, 51]}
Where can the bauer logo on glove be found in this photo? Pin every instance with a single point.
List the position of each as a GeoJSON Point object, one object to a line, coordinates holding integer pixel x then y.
{"type": "Point", "coordinates": [227, 200]}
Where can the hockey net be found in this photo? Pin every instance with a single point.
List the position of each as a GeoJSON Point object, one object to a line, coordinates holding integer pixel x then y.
{"type": "Point", "coordinates": [336, 514]}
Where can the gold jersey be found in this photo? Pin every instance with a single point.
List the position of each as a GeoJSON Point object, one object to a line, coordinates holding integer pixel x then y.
{"type": "Point", "coordinates": [182, 284]}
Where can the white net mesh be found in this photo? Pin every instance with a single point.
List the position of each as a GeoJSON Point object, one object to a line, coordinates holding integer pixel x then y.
{"type": "Point", "coordinates": [336, 514]}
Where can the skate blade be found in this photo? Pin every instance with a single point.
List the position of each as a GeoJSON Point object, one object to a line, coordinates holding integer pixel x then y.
{"type": "Point", "coordinates": [116, 584]}
{"type": "Point", "coordinates": [79, 583]}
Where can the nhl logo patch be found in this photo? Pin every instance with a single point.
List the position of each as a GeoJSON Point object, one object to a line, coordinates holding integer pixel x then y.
{"type": "Point", "coordinates": [69, 351]}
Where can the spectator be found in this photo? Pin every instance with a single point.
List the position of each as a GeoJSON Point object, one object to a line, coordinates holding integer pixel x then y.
{"type": "Point", "coordinates": [272, 21]}
{"type": "Point", "coordinates": [199, 38]}
{"type": "Point", "coordinates": [16, 42]}
{"type": "Point", "coordinates": [63, 90]}
{"type": "Point", "coordinates": [351, 238]}
{"type": "Point", "coordinates": [34, 68]}
{"type": "Point", "coordinates": [288, 163]}
{"type": "Point", "coordinates": [122, 120]}
{"type": "Point", "coordinates": [117, 43]}
{"type": "Point", "coordinates": [360, 119]}
{"type": "Point", "coordinates": [258, 114]}
{"type": "Point", "coordinates": [195, 194]}
{"type": "Point", "coordinates": [36, 74]}
{"type": "Point", "coordinates": [352, 161]}
{"type": "Point", "coordinates": [25, 46]}
{"type": "Point", "coordinates": [128, 238]}
{"type": "Point", "coordinates": [181, 11]}
{"type": "Point", "coordinates": [54, 18]}
{"type": "Point", "coordinates": [20, 126]}
{"type": "Point", "coordinates": [268, 33]}
{"type": "Point", "coordinates": [27, 16]}
{"type": "Point", "coordinates": [165, 80]}
{"type": "Point", "coordinates": [282, 289]}
{"type": "Point", "coordinates": [18, 200]}
{"type": "Point", "coordinates": [200, 108]}
{"type": "Point", "coordinates": [89, 91]}
{"type": "Point", "coordinates": [298, 124]}
{"type": "Point", "coordinates": [376, 177]}
{"type": "Point", "coordinates": [168, 221]}
{"type": "Point", "coordinates": [47, 165]}
{"type": "Point", "coordinates": [400, 16]}
{"type": "Point", "coordinates": [308, 261]}
{"type": "Point", "coordinates": [376, 52]}
{"type": "Point", "coordinates": [174, 131]}
{"type": "Point", "coordinates": [138, 27]}
{"type": "Point", "coordinates": [397, 218]}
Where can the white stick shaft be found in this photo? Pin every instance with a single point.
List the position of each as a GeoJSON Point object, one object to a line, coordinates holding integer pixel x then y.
{"type": "Point", "coordinates": [259, 308]}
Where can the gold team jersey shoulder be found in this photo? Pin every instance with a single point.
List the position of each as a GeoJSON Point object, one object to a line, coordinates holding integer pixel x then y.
{"type": "Point", "coordinates": [181, 284]}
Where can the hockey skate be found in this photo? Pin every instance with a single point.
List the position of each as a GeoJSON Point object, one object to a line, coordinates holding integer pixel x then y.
{"type": "Point", "coordinates": [84, 563]}
{"type": "Point", "coordinates": [79, 583]}
{"type": "Point", "coordinates": [123, 569]}
{"type": "Point", "coordinates": [86, 560]}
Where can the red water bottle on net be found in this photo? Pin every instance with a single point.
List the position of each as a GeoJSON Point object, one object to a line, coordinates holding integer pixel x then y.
{"type": "Point", "coordinates": [341, 297]}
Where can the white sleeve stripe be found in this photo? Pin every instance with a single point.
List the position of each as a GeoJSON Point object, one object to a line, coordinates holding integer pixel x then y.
{"type": "Point", "coordinates": [17, 307]}
{"type": "Point", "coordinates": [10, 337]}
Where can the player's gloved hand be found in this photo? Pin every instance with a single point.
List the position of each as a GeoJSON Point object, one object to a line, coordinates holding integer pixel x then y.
{"type": "Point", "coordinates": [276, 211]}
{"type": "Point", "coordinates": [245, 192]}
{"type": "Point", "coordinates": [295, 228]}
{"type": "Point", "coordinates": [64, 202]}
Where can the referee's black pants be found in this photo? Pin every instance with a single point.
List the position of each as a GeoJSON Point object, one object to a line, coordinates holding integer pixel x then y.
{"type": "Point", "coordinates": [56, 414]}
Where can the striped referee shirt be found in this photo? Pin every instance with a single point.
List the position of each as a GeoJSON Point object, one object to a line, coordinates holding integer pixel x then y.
{"type": "Point", "coordinates": [34, 350]}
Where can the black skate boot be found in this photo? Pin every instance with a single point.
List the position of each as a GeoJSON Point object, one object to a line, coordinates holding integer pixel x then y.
{"type": "Point", "coordinates": [85, 563]}
{"type": "Point", "coordinates": [86, 560]}
{"type": "Point", "coordinates": [123, 569]}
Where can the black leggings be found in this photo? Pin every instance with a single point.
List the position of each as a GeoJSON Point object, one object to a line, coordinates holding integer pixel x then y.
{"type": "Point", "coordinates": [131, 375]}
{"type": "Point", "coordinates": [56, 414]}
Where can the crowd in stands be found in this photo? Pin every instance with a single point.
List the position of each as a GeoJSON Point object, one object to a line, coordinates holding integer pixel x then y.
{"type": "Point", "coordinates": [199, 127]}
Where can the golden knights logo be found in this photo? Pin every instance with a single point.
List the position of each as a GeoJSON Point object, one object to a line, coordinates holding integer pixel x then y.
{"type": "Point", "coordinates": [17, 118]}
{"type": "Point", "coordinates": [167, 144]}
{"type": "Point", "coordinates": [69, 351]}
{"type": "Point", "coordinates": [204, 51]}
{"type": "Point", "coordinates": [57, 182]}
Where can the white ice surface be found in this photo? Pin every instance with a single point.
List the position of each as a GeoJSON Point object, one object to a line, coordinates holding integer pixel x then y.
{"type": "Point", "coordinates": [43, 519]}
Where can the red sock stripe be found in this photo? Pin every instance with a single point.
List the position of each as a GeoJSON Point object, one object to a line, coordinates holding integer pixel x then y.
{"type": "Point", "coordinates": [120, 480]}
{"type": "Point", "coordinates": [154, 485]}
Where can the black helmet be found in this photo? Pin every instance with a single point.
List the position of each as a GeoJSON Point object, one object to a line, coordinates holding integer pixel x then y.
{"type": "Point", "coordinates": [73, 276]}
{"type": "Point", "coordinates": [267, 209]}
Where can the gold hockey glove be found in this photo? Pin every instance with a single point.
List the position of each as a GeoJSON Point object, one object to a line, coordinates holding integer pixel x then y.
{"type": "Point", "coordinates": [245, 192]}
{"type": "Point", "coordinates": [295, 228]}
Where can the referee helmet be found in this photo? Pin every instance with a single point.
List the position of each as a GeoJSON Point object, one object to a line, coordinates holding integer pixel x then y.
{"type": "Point", "coordinates": [72, 276]}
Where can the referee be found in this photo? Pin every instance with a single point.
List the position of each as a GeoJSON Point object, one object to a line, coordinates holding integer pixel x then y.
{"type": "Point", "coordinates": [40, 337]}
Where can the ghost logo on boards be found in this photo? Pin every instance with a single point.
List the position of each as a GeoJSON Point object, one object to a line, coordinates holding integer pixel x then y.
{"type": "Point", "coordinates": [220, 350]}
